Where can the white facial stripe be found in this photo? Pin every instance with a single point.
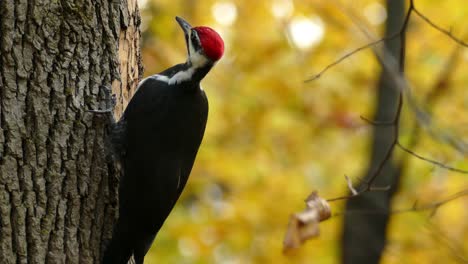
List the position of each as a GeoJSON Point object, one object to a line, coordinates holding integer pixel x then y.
{"type": "Point", "coordinates": [197, 60]}
{"type": "Point", "coordinates": [191, 48]}
{"type": "Point", "coordinates": [158, 77]}
{"type": "Point", "coordinates": [177, 78]}
{"type": "Point", "coordinates": [181, 76]}
{"type": "Point", "coordinates": [161, 78]}
{"type": "Point", "coordinates": [143, 81]}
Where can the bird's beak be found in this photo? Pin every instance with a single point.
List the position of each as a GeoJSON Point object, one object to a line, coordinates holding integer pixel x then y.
{"type": "Point", "coordinates": [186, 27]}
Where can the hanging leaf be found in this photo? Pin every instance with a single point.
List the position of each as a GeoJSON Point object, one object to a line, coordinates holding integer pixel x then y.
{"type": "Point", "coordinates": [305, 225]}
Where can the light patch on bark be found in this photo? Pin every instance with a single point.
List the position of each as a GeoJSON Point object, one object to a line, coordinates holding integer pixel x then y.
{"type": "Point", "coordinates": [131, 68]}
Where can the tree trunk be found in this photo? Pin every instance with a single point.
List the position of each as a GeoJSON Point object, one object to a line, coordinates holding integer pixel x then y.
{"type": "Point", "coordinates": [364, 235]}
{"type": "Point", "coordinates": [58, 192]}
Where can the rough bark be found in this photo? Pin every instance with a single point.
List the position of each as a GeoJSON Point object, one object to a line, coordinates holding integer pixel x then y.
{"type": "Point", "coordinates": [364, 235]}
{"type": "Point", "coordinates": [58, 192]}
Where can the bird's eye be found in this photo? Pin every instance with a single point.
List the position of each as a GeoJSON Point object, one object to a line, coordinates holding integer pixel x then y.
{"type": "Point", "coordinates": [194, 34]}
{"type": "Point", "coordinates": [195, 39]}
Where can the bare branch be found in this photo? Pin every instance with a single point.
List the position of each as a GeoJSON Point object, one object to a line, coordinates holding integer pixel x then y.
{"type": "Point", "coordinates": [440, 29]}
{"type": "Point", "coordinates": [395, 67]}
{"type": "Point", "coordinates": [347, 55]}
{"type": "Point", "coordinates": [433, 207]}
{"type": "Point", "coordinates": [375, 42]}
{"type": "Point", "coordinates": [403, 86]}
{"type": "Point", "coordinates": [437, 163]}
{"type": "Point", "coordinates": [358, 193]}
{"type": "Point", "coordinates": [350, 185]}
{"type": "Point", "coordinates": [369, 45]}
{"type": "Point", "coordinates": [395, 123]}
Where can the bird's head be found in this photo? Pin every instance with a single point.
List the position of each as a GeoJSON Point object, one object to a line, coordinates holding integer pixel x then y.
{"type": "Point", "coordinates": [204, 45]}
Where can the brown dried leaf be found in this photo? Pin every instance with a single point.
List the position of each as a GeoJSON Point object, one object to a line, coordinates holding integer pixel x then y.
{"type": "Point", "coordinates": [305, 225]}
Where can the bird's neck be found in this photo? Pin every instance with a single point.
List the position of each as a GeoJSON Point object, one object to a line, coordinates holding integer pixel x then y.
{"type": "Point", "coordinates": [199, 72]}
{"type": "Point", "coordinates": [190, 72]}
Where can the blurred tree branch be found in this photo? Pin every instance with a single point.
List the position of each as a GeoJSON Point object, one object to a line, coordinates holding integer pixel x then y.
{"type": "Point", "coordinates": [437, 163]}
{"type": "Point", "coordinates": [433, 207]}
{"type": "Point", "coordinates": [372, 44]}
{"type": "Point", "coordinates": [395, 70]}
{"type": "Point", "coordinates": [454, 247]}
{"type": "Point", "coordinates": [402, 85]}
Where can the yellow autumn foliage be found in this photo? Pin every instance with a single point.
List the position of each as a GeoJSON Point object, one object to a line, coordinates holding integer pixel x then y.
{"type": "Point", "coordinates": [272, 139]}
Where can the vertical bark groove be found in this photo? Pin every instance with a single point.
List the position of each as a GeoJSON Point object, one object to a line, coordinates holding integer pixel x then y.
{"type": "Point", "coordinates": [57, 187]}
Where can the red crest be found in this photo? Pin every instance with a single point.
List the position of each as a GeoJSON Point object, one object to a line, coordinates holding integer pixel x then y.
{"type": "Point", "coordinates": [211, 42]}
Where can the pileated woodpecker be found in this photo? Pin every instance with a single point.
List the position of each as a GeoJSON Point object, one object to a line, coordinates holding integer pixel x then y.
{"type": "Point", "coordinates": [160, 133]}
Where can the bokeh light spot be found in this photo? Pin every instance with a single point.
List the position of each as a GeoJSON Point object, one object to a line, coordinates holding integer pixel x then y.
{"type": "Point", "coordinates": [375, 13]}
{"type": "Point", "coordinates": [282, 8]}
{"type": "Point", "coordinates": [306, 32]}
{"type": "Point", "coordinates": [225, 13]}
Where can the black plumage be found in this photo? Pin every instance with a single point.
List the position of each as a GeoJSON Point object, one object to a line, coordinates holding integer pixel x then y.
{"type": "Point", "coordinates": [157, 139]}
{"type": "Point", "coordinates": [164, 126]}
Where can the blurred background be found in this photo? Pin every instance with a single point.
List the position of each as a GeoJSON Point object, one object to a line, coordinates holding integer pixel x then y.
{"type": "Point", "coordinates": [272, 138]}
